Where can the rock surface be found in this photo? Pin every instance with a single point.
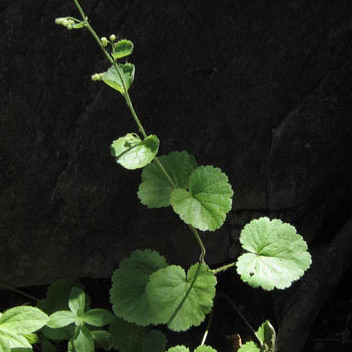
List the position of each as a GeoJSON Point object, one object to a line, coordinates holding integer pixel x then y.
{"type": "Point", "coordinates": [261, 90]}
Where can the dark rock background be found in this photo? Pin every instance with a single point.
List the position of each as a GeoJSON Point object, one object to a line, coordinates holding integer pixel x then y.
{"type": "Point", "coordinates": [261, 89]}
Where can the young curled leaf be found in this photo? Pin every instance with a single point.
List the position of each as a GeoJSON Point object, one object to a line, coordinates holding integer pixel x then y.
{"type": "Point", "coordinates": [122, 49]}
{"type": "Point", "coordinates": [120, 78]}
{"type": "Point", "coordinates": [133, 153]}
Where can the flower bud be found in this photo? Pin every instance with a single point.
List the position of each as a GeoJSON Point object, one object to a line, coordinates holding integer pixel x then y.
{"type": "Point", "coordinates": [112, 37]}
{"type": "Point", "coordinates": [97, 77]}
{"type": "Point", "coordinates": [104, 41]}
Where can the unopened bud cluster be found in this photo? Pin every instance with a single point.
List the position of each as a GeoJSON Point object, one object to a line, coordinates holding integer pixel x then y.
{"type": "Point", "coordinates": [97, 77]}
{"type": "Point", "coordinates": [65, 21]}
{"type": "Point", "coordinates": [105, 41]}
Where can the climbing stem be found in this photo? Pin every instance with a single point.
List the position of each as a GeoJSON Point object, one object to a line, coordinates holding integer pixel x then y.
{"type": "Point", "coordinates": [134, 114]}
{"type": "Point", "coordinates": [238, 311]}
{"type": "Point", "coordinates": [14, 289]}
{"type": "Point", "coordinates": [223, 268]}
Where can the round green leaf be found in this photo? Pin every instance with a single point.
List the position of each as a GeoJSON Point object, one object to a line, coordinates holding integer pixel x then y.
{"type": "Point", "coordinates": [155, 189]}
{"type": "Point", "coordinates": [112, 78]}
{"type": "Point", "coordinates": [127, 293]}
{"type": "Point", "coordinates": [133, 153]}
{"type": "Point", "coordinates": [249, 347]}
{"type": "Point", "coordinates": [204, 348]}
{"type": "Point", "coordinates": [208, 200]}
{"type": "Point", "coordinates": [178, 349]}
{"type": "Point", "coordinates": [277, 254]}
{"type": "Point", "coordinates": [98, 317]}
{"type": "Point", "coordinates": [178, 300]}
{"type": "Point", "coordinates": [122, 49]}
{"type": "Point", "coordinates": [23, 320]}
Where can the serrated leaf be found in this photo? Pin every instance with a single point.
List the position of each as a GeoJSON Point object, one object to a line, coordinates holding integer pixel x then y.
{"type": "Point", "coordinates": [178, 349]}
{"type": "Point", "coordinates": [61, 318]}
{"type": "Point", "coordinates": [77, 301]}
{"type": "Point", "coordinates": [204, 348]}
{"type": "Point", "coordinates": [10, 340]}
{"type": "Point", "coordinates": [178, 300]}
{"type": "Point", "coordinates": [155, 189]}
{"type": "Point", "coordinates": [133, 153]}
{"type": "Point", "coordinates": [102, 339]}
{"type": "Point", "coordinates": [58, 334]}
{"type": "Point", "coordinates": [112, 78]}
{"type": "Point", "coordinates": [249, 347]}
{"type": "Point", "coordinates": [23, 320]}
{"type": "Point", "coordinates": [127, 293]}
{"type": "Point", "coordinates": [98, 317]}
{"type": "Point", "coordinates": [267, 335]}
{"type": "Point", "coordinates": [4, 347]}
{"type": "Point", "coordinates": [277, 254]}
{"type": "Point", "coordinates": [128, 337]}
{"type": "Point", "coordinates": [208, 200]}
{"type": "Point", "coordinates": [122, 49]}
{"type": "Point", "coordinates": [83, 340]}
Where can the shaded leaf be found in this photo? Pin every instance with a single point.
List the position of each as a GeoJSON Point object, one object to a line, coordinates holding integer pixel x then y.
{"type": "Point", "coordinates": [155, 189]}
{"type": "Point", "coordinates": [98, 317]}
{"type": "Point", "coordinates": [127, 293]}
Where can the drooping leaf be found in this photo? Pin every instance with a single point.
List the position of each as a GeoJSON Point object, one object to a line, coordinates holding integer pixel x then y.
{"type": "Point", "coordinates": [128, 337]}
{"type": "Point", "coordinates": [204, 348]}
{"type": "Point", "coordinates": [178, 300]}
{"type": "Point", "coordinates": [23, 320]}
{"type": "Point", "coordinates": [155, 189]}
{"type": "Point", "coordinates": [98, 317]}
{"type": "Point", "coordinates": [61, 318]}
{"type": "Point", "coordinates": [178, 349]}
{"type": "Point", "coordinates": [277, 254]}
{"type": "Point", "coordinates": [122, 49]}
{"type": "Point", "coordinates": [249, 347]}
{"type": "Point", "coordinates": [133, 153]}
{"type": "Point", "coordinates": [77, 301]}
{"type": "Point", "coordinates": [83, 340]}
{"type": "Point", "coordinates": [207, 201]}
{"type": "Point", "coordinates": [127, 293]}
{"type": "Point", "coordinates": [267, 335]}
{"type": "Point", "coordinates": [102, 339]}
{"type": "Point", "coordinates": [112, 77]}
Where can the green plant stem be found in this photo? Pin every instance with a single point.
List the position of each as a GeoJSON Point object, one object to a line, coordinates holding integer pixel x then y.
{"type": "Point", "coordinates": [238, 311]}
{"type": "Point", "coordinates": [223, 268]}
{"type": "Point", "coordinates": [14, 289]}
{"type": "Point", "coordinates": [135, 116]}
{"type": "Point", "coordinates": [208, 327]}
